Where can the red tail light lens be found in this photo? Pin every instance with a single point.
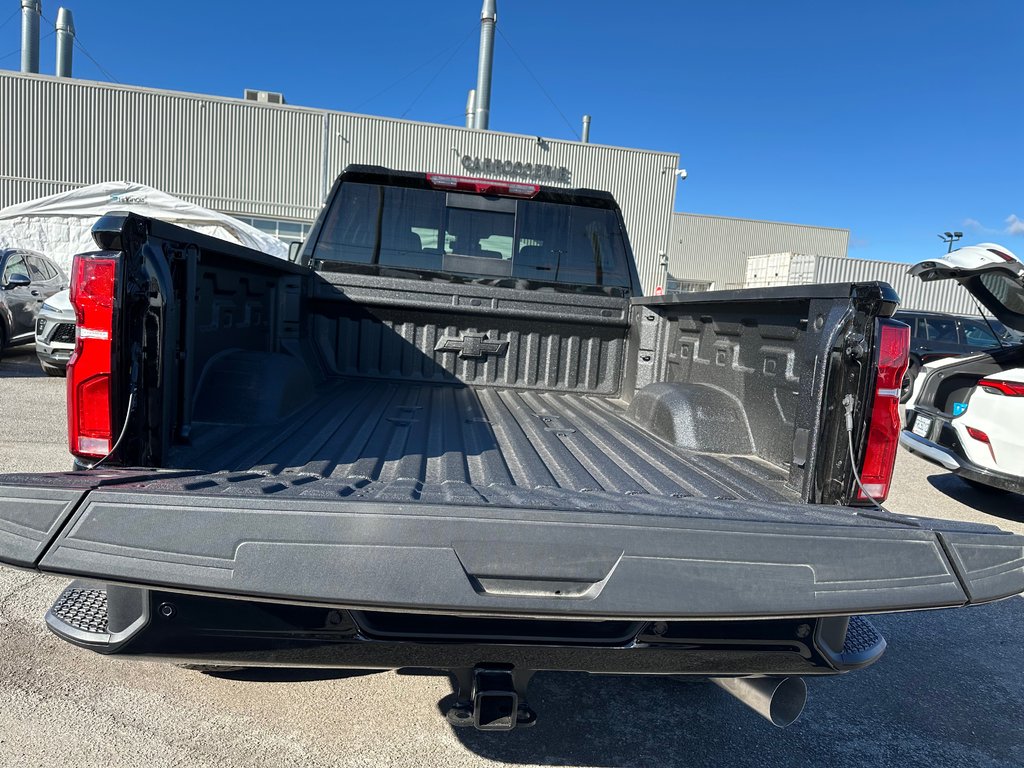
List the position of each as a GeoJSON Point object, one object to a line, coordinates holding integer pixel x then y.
{"type": "Point", "coordinates": [997, 387]}
{"type": "Point", "coordinates": [93, 295]}
{"type": "Point", "coordinates": [977, 434]}
{"type": "Point", "coordinates": [884, 428]}
{"type": "Point", "coordinates": [482, 186]}
{"type": "Point", "coordinates": [981, 437]}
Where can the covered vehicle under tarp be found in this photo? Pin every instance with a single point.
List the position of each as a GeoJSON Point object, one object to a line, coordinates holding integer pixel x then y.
{"type": "Point", "coordinates": [59, 225]}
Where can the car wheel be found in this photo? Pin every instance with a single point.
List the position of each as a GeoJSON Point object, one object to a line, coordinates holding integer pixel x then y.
{"type": "Point", "coordinates": [3, 340]}
{"type": "Point", "coordinates": [908, 380]}
{"type": "Point", "coordinates": [52, 370]}
{"type": "Point", "coordinates": [983, 487]}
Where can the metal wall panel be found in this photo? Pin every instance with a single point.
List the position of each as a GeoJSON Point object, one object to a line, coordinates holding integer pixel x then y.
{"type": "Point", "coordinates": [228, 155]}
{"type": "Point", "coordinates": [278, 161]}
{"type": "Point", "coordinates": [938, 296]}
{"type": "Point", "coordinates": [715, 248]}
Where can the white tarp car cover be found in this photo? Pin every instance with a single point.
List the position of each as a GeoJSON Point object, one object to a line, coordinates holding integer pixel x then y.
{"type": "Point", "coordinates": [59, 225]}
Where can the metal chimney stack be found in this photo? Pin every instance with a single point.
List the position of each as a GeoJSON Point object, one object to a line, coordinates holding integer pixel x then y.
{"type": "Point", "coordinates": [471, 108]}
{"type": "Point", "coordinates": [586, 129]}
{"type": "Point", "coordinates": [488, 21]}
{"type": "Point", "coordinates": [65, 41]}
{"type": "Point", "coordinates": [31, 10]}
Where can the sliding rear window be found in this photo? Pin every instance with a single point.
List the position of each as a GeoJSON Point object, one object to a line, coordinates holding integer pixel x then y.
{"type": "Point", "coordinates": [474, 236]}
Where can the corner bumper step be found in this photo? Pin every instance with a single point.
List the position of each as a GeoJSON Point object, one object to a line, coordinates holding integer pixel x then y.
{"type": "Point", "coordinates": [82, 609]}
{"type": "Point", "coordinates": [82, 615]}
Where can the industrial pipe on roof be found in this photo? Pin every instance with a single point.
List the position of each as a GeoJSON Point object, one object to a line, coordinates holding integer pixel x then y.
{"type": "Point", "coordinates": [586, 129]}
{"type": "Point", "coordinates": [31, 10]}
{"type": "Point", "coordinates": [488, 21]}
{"type": "Point", "coordinates": [65, 41]}
{"type": "Point", "coordinates": [471, 108]}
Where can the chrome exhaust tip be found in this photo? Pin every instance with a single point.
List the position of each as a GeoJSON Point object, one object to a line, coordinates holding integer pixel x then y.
{"type": "Point", "coordinates": [780, 700]}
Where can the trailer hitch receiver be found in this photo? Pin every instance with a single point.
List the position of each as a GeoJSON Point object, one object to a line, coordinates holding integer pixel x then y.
{"type": "Point", "coordinates": [496, 699]}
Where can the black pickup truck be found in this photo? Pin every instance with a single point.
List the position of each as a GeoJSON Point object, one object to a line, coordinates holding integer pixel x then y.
{"type": "Point", "coordinates": [455, 436]}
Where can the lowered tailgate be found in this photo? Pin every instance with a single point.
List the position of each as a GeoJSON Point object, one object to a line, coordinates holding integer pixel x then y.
{"type": "Point", "coordinates": [702, 558]}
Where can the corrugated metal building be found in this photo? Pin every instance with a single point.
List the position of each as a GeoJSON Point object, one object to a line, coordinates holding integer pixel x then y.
{"type": "Point", "coordinates": [936, 296]}
{"type": "Point", "coordinates": [273, 164]}
{"type": "Point", "coordinates": [712, 251]}
{"type": "Point", "coordinates": [802, 269]}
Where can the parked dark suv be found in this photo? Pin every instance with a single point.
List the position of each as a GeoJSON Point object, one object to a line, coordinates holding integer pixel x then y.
{"type": "Point", "coordinates": [27, 279]}
{"type": "Point", "coordinates": [934, 335]}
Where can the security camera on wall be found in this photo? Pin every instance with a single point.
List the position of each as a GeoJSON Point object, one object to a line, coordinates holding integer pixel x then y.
{"type": "Point", "coordinates": [681, 173]}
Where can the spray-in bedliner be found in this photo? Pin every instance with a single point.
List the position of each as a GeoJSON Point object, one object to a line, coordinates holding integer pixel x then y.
{"type": "Point", "coordinates": [371, 436]}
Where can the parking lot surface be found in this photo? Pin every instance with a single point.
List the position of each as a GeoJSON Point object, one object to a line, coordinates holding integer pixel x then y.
{"type": "Point", "coordinates": [948, 692]}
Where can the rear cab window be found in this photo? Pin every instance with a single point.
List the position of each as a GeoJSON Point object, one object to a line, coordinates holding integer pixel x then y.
{"type": "Point", "coordinates": [576, 243]}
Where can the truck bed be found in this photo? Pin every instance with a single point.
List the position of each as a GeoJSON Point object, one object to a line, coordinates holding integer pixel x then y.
{"type": "Point", "coordinates": [392, 440]}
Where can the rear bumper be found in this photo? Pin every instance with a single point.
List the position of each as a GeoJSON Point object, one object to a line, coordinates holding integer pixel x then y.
{"type": "Point", "coordinates": [926, 449]}
{"type": "Point", "coordinates": [721, 560]}
{"type": "Point", "coordinates": [188, 629]}
{"type": "Point", "coordinates": [945, 453]}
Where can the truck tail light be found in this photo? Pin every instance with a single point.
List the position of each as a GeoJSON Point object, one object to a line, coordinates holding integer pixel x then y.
{"type": "Point", "coordinates": [93, 295]}
{"type": "Point", "coordinates": [884, 427]}
{"type": "Point", "coordinates": [482, 186]}
{"type": "Point", "coordinates": [997, 387]}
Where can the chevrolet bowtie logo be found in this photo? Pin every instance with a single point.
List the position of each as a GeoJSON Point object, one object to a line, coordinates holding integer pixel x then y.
{"type": "Point", "coordinates": [471, 345]}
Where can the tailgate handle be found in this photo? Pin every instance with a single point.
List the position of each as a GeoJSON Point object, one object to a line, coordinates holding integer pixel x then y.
{"type": "Point", "coordinates": [536, 587]}
{"type": "Point", "coordinates": [502, 569]}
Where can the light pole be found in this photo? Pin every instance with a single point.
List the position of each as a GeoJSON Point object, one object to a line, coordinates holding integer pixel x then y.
{"type": "Point", "coordinates": [950, 237]}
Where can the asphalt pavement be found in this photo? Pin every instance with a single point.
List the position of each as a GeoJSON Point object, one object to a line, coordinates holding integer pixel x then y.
{"type": "Point", "coordinates": [948, 692]}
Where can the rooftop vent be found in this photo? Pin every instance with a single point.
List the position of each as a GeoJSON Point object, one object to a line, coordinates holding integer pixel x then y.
{"type": "Point", "coordinates": [264, 97]}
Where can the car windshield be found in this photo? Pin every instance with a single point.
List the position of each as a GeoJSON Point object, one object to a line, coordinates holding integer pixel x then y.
{"type": "Point", "coordinates": [474, 236]}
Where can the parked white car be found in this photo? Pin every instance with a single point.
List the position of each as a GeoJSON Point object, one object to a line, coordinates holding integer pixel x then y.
{"type": "Point", "coordinates": [55, 334]}
{"type": "Point", "coordinates": [967, 413]}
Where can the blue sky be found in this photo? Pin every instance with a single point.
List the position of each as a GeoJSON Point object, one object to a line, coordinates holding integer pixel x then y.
{"type": "Point", "coordinates": [896, 120]}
